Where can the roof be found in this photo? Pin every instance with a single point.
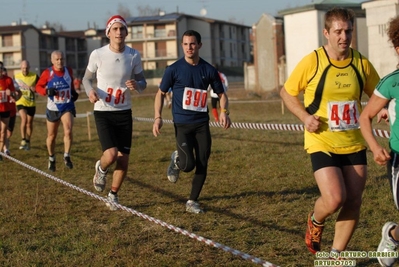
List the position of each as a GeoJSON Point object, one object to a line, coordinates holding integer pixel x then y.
{"type": "Point", "coordinates": [270, 18]}
{"type": "Point", "coordinates": [325, 5]}
{"type": "Point", "coordinates": [74, 34]}
{"type": "Point", "coordinates": [16, 28]}
{"type": "Point", "coordinates": [175, 17]}
{"type": "Point", "coordinates": [130, 21]}
{"type": "Point", "coordinates": [166, 17]}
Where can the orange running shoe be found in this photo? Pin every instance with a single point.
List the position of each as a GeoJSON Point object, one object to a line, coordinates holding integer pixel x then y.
{"type": "Point", "coordinates": [313, 235]}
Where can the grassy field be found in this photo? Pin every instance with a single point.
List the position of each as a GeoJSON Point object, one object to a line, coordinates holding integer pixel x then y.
{"type": "Point", "coordinates": [259, 190]}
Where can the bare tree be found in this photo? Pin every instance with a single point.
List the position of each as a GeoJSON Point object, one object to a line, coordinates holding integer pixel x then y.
{"type": "Point", "coordinates": [235, 20]}
{"type": "Point", "coordinates": [142, 10]}
{"type": "Point", "coordinates": [57, 26]}
{"type": "Point", "coordinates": [124, 11]}
{"type": "Point", "coordinates": [147, 10]}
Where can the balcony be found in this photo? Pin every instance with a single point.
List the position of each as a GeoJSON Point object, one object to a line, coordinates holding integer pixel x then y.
{"type": "Point", "coordinates": [159, 54]}
{"type": "Point", "coordinates": [9, 63]}
{"type": "Point", "coordinates": [10, 49]}
{"type": "Point", "coordinates": [156, 35]}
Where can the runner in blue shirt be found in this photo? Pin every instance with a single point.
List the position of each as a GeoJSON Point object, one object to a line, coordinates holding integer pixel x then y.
{"type": "Point", "coordinates": [189, 78]}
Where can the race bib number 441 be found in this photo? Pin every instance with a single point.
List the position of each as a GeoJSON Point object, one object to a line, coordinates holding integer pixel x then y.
{"type": "Point", "coordinates": [195, 99]}
{"type": "Point", "coordinates": [343, 115]}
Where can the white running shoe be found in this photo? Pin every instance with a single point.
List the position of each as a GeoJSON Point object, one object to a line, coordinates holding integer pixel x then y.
{"type": "Point", "coordinates": [193, 207]}
{"type": "Point", "coordinates": [113, 199]}
{"type": "Point", "coordinates": [23, 145]}
{"type": "Point", "coordinates": [387, 244]}
{"type": "Point", "coordinates": [100, 178]}
{"type": "Point", "coordinates": [173, 171]}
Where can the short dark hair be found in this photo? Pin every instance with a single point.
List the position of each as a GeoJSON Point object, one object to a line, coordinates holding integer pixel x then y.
{"type": "Point", "coordinates": [338, 13]}
{"type": "Point", "coordinates": [192, 33]}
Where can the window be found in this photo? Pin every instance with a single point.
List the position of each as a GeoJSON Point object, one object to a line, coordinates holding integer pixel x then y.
{"type": "Point", "coordinates": [44, 59]}
{"type": "Point", "coordinates": [71, 61]}
{"type": "Point", "coordinates": [138, 47]}
{"type": "Point", "coordinates": [160, 30]}
{"type": "Point", "coordinates": [160, 49]}
{"type": "Point", "coordinates": [8, 59]}
{"type": "Point", "coordinates": [7, 40]}
{"type": "Point", "coordinates": [137, 32]}
{"type": "Point", "coordinates": [70, 44]}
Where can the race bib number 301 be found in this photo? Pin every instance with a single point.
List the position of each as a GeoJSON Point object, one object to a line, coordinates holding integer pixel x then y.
{"type": "Point", "coordinates": [343, 115]}
{"type": "Point", "coordinates": [115, 96]}
{"type": "Point", "coordinates": [195, 99]}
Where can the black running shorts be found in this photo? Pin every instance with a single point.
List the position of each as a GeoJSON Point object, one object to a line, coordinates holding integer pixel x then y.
{"type": "Point", "coordinates": [114, 129]}
{"type": "Point", "coordinates": [54, 116]}
{"type": "Point", "coordinates": [11, 123]}
{"type": "Point", "coordinates": [320, 159]}
{"type": "Point", "coordinates": [31, 111]}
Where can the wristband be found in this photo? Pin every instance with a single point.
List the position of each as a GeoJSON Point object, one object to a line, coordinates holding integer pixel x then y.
{"type": "Point", "coordinates": [157, 118]}
{"type": "Point", "coordinates": [225, 111]}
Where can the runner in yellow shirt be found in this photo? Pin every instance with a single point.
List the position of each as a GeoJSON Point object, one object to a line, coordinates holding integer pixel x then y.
{"type": "Point", "coordinates": [333, 79]}
{"type": "Point", "coordinates": [26, 105]}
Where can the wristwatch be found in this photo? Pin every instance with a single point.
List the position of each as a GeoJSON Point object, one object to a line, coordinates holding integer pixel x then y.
{"type": "Point", "coordinates": [225, 111]}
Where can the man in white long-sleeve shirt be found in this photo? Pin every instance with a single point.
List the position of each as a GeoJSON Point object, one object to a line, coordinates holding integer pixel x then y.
{"type": "Point", "coordinates": [119, 71]}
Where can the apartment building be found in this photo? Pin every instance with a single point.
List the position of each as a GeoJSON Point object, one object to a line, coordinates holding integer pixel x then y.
{"type": "Point", "coordinates": [19, 42]}
{"type": "Point", "coordinates": [157, 38]}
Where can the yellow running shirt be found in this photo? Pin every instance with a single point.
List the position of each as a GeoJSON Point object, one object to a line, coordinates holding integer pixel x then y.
{"type": "Point", "coordinates": [24, 83]}
{"type": "Point", "coordinates": [333, 91]}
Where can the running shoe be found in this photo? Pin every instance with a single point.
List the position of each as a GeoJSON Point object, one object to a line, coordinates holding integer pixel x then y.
{"type": "Point", "coordinates": [313, 235]}
{"type": "Point", "coordinates": [27, 146]}
{"type": "Point", "coordinates": [51, 165]}
{"type": "Point", "coordinates": [23, 145]}
{"type": "Point", "coordinates": [387, 244]}
{"type": "Point", "coordinates": [112, 200]}
{"type": "Point", "coordinates": [193, 207]}
{"type": "Point", "coordinates": [68, 162]}
{"type": "Point", "coordinates": [100, 178]}
{"type": "Point", "coordinates": [173, 171]}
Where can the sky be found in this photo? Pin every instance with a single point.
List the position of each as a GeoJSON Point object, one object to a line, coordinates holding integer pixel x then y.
{"type": "Point", "coordinates": [82, 14]}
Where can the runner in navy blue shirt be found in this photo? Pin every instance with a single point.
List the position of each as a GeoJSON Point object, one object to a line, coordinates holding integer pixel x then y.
{"type": "Point", "coordinates": [189, 78]}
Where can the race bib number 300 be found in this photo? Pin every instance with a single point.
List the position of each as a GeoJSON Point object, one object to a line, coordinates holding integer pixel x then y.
{"type": "Point", "coordinates": [195, 99]}
{"type": "Point", "coordinates": [343, 116]}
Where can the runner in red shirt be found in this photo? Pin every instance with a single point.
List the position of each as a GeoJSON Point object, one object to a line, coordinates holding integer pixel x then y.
{"type": "Point", "coordinates": [7, 97]}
